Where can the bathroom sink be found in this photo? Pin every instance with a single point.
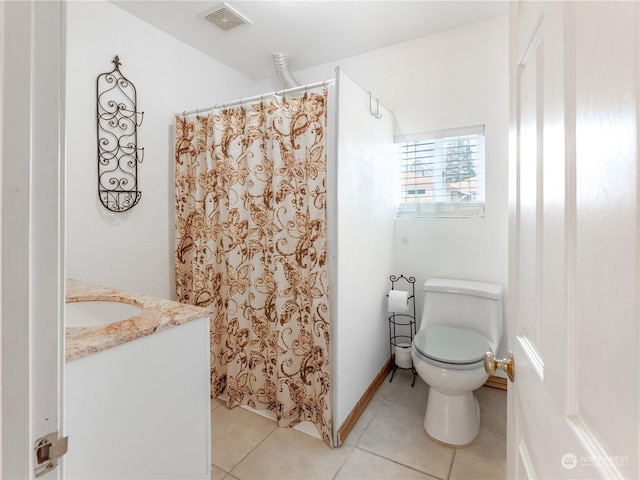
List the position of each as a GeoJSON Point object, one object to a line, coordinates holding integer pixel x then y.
{"type": "Point", "coordinates": [94, 313]}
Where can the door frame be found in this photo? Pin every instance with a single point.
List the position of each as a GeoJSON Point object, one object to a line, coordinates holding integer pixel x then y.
{"type": "Point", "coordinates": [32, 142]}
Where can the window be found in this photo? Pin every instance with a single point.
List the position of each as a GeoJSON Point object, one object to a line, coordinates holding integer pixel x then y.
{"type": "Point", "coordinates": [441, 174]}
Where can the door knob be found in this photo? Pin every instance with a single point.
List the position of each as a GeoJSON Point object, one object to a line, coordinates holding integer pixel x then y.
{"type": "Point", "coordinates": [508, 365]}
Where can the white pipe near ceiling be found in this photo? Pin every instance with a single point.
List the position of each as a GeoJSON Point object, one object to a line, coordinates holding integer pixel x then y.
{"type": "Point", "coordinates": [286, 78]}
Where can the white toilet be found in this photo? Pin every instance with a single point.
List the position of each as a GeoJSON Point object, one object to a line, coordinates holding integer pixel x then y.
{"type": "Point", "coordinates": [461, 321]}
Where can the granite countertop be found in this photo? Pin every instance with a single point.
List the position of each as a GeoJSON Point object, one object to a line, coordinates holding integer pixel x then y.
{"type": "Point", "coordinates": [157, 314]}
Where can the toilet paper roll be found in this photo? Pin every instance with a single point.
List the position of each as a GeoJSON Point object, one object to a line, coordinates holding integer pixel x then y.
{"type": "Point", "coordinates": [398, 301]}
{"type": "Point", "coordinates": [403, 355]}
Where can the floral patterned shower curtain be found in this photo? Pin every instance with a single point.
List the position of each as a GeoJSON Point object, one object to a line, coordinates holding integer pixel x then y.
{"type": "Point", "coordinates": [251, 246]}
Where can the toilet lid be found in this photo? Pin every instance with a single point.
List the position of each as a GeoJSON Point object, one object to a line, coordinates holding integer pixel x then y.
{"type": "Point", "coordinates": [451, 345]}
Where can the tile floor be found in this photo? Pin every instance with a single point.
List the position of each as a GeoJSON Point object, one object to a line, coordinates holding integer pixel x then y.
{"type": "Point", "coordinates": [388, 442]}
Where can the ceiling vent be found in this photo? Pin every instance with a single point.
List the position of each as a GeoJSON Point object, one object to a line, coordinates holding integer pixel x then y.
{"type": "Point", "coordinates": [224, 17]}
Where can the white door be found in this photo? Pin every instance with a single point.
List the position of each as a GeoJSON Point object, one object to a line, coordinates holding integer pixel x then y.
{"type": "Point", "coordinates": [32, 297]}
{"type": "Point", "coordinates": [573, 408]}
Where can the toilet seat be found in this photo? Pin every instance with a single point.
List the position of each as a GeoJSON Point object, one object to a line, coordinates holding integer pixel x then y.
{"type": "Point", "coordinates": [450, 345]}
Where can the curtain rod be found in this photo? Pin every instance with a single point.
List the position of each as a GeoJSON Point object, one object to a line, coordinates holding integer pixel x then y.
{"type": "Point", "coordinates": [255, 98]}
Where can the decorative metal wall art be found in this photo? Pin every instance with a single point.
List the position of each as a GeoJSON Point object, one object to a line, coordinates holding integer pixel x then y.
{"type": "Point", "coordinates": [118, 153]}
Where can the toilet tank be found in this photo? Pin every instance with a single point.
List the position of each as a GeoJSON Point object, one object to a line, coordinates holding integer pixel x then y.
{"type": "Point", "coordinates": [475, 306]}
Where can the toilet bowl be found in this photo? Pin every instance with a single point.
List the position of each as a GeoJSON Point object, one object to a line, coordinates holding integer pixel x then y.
{"type": "Point", "coordinates": [450, 361]}
{"type": "Point", "coordinates": [461, 321]}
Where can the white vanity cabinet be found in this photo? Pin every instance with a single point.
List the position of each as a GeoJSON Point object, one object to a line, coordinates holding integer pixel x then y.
{"type": "Point", "coordinates": [141, 410]}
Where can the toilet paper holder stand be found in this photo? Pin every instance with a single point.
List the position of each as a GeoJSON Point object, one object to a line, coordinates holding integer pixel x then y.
{"type": "Point", "coordinates": [402, 329]}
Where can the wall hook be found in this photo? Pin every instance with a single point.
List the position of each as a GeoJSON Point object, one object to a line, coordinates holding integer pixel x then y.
{"type": "Point", "coordinates": [377, 113]}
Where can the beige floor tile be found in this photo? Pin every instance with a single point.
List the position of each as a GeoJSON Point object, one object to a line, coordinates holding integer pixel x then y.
{"type": "Point", "coordinates": [376, 402]}
{"type": "Point", "coordinates": [216, 473]}
{"type": "Point", "coordinates": [399, 392]}
{"type": "Point", "coordinates": [363, 465]}
{"type": "Point", "coordinates": [363, 422]}
{"type": "Point", "coordinates": [385, 387]}
{"type": "Point", "coordinates": [485, 458]}
{"type": "Point", "coordinates": [390, 438]}
{"type": "Point", "coordinates": [493, 409]}
{"type": "Point", "coordinates": [404, 394]}
{"type": "Point", "coordinates": [234, 433]}
{"type": "Point", "coordinates": [398, 434]}
{"type": "Point", "coordinates": [216, 402]}
{"type": "Point", "coordinates": [290, 454]}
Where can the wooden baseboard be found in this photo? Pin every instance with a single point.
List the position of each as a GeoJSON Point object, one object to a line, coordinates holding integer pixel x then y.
{"type": "Point", "coordinates": [496, 382]}
{"type": "Point", "coordinates": [353, 417]}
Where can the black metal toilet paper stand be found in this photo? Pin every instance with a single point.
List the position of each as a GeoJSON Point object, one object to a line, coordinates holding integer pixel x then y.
{"type": "Point", "coordinates": [402, 327]}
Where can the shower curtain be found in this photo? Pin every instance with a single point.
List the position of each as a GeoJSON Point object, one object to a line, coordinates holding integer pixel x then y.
{"type": "Point", "coordinates": [251, 246]}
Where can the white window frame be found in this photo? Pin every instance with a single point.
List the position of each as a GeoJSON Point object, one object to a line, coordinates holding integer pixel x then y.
{"type": "Point", "coordinates": [426, 196]}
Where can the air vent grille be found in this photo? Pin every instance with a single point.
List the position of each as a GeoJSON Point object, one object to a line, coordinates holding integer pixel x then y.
{"type": "Point", "coordinates": [224, 17]}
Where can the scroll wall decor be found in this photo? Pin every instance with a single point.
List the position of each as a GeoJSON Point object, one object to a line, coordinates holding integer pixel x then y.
{"type": "Point", "coordinates": [118, 151]}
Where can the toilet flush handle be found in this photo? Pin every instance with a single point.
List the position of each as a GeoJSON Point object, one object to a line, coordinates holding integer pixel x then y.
{"type": "Point", "coordinates": [491, 364]}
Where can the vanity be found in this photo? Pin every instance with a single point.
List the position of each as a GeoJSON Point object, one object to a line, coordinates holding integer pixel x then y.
{"type": "Point", "coordinates": [137, 399]}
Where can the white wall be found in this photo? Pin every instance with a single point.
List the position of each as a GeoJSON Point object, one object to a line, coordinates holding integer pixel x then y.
{"type": "Point", "coordinates": [360, 205]}
{"type": "Point", "coordinates": [452, 79]}
{"type": "Point", "coordinates": [448, 80]}
{"type": "Point", "coordinates": [132, 250]}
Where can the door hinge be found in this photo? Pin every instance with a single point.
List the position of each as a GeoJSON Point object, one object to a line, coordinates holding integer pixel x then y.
{"type": "Point", "coordinates": [47, 451]}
